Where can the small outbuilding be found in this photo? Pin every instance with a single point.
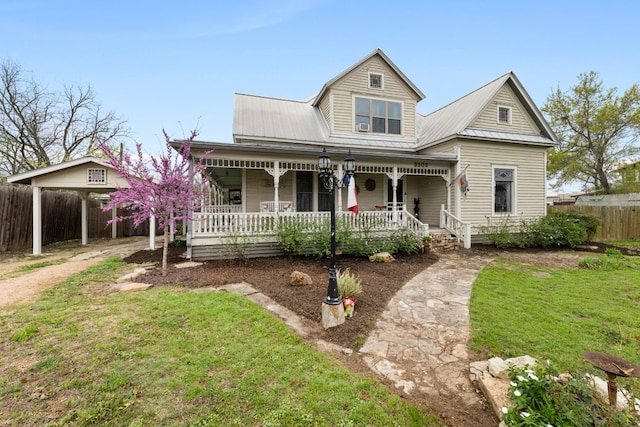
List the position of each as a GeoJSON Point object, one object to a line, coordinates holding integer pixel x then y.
{"type": "Point", "coordinates": [85, 175]}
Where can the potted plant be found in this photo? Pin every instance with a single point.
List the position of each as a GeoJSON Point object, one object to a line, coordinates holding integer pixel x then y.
{"type": "Point", "coordinates": [348, 287]}
{"type": "Point", "coordinates": [426, 242]}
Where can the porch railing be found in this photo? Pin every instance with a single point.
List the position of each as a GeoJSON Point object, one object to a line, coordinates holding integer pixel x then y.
{"type": "Point", "coordinates": [270, 206]}
{"type": "Point", "coordinates": [220, 224]}
{"type": "Point", "coordinates": [221, 208]}
{"type": "Point", "coordinates": [460, 229]}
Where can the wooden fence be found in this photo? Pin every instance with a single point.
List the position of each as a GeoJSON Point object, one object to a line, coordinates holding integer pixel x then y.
{"type": "Point", "coordinates": [61, 220]}
{"type": "Point", "coordinates": [616, 222]}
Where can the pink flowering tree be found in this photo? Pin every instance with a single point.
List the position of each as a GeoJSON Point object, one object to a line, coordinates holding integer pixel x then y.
{"type": "Point", "coordinates": [167, 187]}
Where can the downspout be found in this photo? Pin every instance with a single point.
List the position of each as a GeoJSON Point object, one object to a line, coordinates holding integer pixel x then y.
{"type": "Point", "coordinates": [457, 187]}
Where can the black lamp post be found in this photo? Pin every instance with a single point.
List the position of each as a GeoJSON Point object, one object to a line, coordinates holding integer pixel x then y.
{"type": "Point", "coordinates": [330, 182]}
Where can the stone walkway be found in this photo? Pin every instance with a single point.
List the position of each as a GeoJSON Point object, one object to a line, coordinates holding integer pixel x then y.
{"type": "Point", "coordinates": [421, 340]}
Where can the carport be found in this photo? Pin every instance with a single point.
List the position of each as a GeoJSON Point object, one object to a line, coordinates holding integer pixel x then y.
{"type": "Point", "coordinates": [85, 175]}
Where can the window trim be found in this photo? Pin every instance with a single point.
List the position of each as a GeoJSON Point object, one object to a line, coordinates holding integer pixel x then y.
{"type": "Point", "coordinates": [514, 192]}
{"type": "Point", "coordinates": [371, 116]}
{"type": "Point", "coordinates": [101, 171]}
{"type": "Point", "coordinates": [375, 73]}
{"type": "Point", "coordinates": [509, 114]}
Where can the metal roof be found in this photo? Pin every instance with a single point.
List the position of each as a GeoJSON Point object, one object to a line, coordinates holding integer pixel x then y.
{"type": "Point", "coordinates": [272, 121]}
{"type": "Point", "coordinates": [455, 118]}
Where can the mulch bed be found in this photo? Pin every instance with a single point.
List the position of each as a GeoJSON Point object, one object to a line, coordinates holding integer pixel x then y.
{"type": "Point", "coordinates": [380, 281]}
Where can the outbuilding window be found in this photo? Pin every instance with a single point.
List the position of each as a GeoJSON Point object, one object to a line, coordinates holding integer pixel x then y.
{"type": "Point", "coordinates": [96, 176]}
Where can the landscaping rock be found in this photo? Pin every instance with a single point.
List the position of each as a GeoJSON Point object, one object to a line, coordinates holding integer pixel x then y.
{"type": "Point", "coordinates": [382, 257]}
{"type": "Point", "coordinates": [498, 368]}
{"type": "Point", "coordinates": [299, 278]}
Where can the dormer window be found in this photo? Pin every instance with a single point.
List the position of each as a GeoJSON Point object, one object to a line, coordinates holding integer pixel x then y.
{"type": "Point", "coordinates": [378, 116]}
{"type": "Point", "coordinates": [504, 115]}
{"type": "Point", "coordinates": [375, 81]}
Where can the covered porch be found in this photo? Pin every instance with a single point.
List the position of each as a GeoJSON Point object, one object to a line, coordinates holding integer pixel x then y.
{"type": "Point", "coordinates": [249, 200]}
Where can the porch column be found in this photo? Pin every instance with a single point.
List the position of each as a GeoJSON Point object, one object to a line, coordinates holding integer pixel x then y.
{"type": "Point", "coordinates": [276, 185]}
{"type": "Point", "coordinates": [114, 225]}
{"type": "Point", "coordinates": [276, 173]}
{"type": "Point", "coordinates": [84, 220]}
{"type": "Point", "coordinates": [340, 175]}
{"type": "Point", "coordinates": [394, 185]}
{"type": "Point", "coordinates": [152, 232]}
{"type": "Point", "coordinates": [37, 221]}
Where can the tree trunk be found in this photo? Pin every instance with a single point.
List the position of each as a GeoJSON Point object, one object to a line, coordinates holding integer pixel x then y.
{"type": "Point", "coordinates": [165, 250]}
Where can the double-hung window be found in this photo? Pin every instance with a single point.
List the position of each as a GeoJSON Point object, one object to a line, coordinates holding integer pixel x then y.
{"type": "Point", "coordinates": [380, 116]}
{"type": "Point", "coordinates": [503, 195]}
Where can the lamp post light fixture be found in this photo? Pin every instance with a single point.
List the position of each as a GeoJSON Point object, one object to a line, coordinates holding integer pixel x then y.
{"type": "Point", "coordinates": [330, 183]}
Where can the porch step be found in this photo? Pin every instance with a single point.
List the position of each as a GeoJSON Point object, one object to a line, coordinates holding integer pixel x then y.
{"type": "Point", "coordinates": [443, 241]}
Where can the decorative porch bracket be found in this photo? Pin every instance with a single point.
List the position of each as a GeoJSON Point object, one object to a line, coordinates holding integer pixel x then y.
{"type": "Point", "coordinates": [276, 173]}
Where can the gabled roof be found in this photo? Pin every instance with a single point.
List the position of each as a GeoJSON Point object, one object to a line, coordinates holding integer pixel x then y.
{"type": "Point", "coordinates": [280, 119]}
{"type": "Point", "coordinates": [258, 118]}
{"type": "Point", "coordinates": [26, 177]}
{"type": "Point", "coordinates": [455, 118]}
{"type": "Point", "coordinates": [382, 56]}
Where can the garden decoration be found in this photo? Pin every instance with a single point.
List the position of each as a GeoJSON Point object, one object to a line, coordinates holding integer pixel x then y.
{"type": "Point", "coordinates": [614, 367]}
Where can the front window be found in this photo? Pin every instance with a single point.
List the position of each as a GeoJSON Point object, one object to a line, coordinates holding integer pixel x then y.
{"type": "Point", "coordinates": [503, 190]}
{"type": "Point", "coordinates": [381, 116]}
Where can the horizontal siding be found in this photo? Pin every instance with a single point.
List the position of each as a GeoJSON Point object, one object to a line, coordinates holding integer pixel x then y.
{"type": "Point", "coordinates": [520, 120]}
{"type": "Point", "coordinates": [357, 82]}
{"type": "Point", "coordinates": [432, 192]}
{"type": "Point", "coordinates": [367, 200]}
{"type": "Point", "coordinates": [259, 188]}
{"type": "Point", "coordinates": [480, 157]}
{"type": "Point", "coordinates": [233, 251]}
{"type": "Point", "coordinates": [77, 177]}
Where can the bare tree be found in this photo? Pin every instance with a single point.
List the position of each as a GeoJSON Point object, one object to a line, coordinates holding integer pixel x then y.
{"type": "Point", "coordinates": [40, 128]}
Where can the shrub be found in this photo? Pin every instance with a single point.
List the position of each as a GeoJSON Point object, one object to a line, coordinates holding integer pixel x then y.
{"type": "Point", "coordinates": [558, 229]}
{"type": "Point", "coordinates": [348, 284]}
{"type": "Point", "coordinates": [296, 238]}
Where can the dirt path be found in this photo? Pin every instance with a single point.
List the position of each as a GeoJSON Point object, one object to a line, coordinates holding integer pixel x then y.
{"type": "Point", "coordinates": [28, 285]}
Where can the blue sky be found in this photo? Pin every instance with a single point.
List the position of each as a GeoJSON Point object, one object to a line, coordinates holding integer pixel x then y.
{"type": "Point", "coordinates": [177, 64]}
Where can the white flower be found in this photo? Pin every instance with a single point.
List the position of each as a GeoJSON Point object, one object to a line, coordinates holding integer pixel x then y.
{"type": "Point", "coordinates": [521, 378]}
{"type": "Point", "coordinates": [505, 409]}
{"type": "Point", "coordinates": [514, 384]}
{"type": "Point", "coordinates": [525, 414]}
{"type": "Point", "coordinates": [532, 376]}
{"type": "Point", "coordinates": [549, 425]}
{"type": "Point", "coordinates": [517, 393]}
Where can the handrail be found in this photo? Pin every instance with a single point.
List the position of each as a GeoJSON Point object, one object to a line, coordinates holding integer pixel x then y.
{"type": "Point", "coordinates": [457, 227]}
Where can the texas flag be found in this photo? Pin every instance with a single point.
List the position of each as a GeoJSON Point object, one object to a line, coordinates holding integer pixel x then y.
{"type": "Point", "coordinates": [352, 194]}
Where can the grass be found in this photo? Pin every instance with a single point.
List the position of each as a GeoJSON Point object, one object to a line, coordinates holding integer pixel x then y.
{"type": "Point", "coordinates": [80, 356]}
{"type": "Point", "coordinates": [558, 315]}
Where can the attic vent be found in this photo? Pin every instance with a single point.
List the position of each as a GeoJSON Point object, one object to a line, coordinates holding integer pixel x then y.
{"type": "Point", "coordinates": [362, 127]}
{"type": "Point", "coordinates": [375, 80]}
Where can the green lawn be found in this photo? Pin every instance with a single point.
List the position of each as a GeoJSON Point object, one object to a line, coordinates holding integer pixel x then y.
{"type": "Point", "coordinates": [558, 315]}
{"type": "Point", "coordinates": [80, 356]}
